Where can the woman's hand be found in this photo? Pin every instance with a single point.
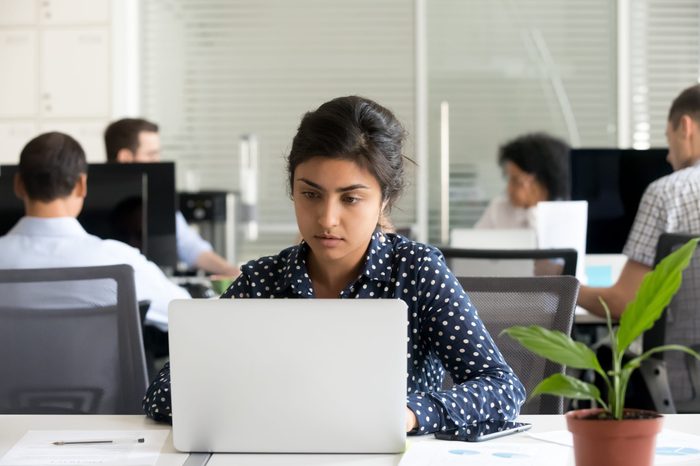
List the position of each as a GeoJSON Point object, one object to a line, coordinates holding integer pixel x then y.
{"type": "Point", "coordinates": [411, 421]}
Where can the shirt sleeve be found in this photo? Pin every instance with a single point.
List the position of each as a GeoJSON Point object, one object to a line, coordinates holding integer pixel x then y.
{"type": "Point", "coordinates": [487, 218]}
{"type": "Point", "coordinates": [156, 403]}
{"type": "Point", "coordinates": [649, 224]}
{"type": "Point", "coordinates": [151, 283]}
{"type": "Point", "coordinates": [189, 244]}
{"type": "Point", "coordinates": [485, 386]}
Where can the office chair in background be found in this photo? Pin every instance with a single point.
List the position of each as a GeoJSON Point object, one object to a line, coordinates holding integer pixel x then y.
{"type": "Point", "coordinates": [70, 341]}
{"type": "Point", "coordinates": [506, 301]}
{"type": "Point", "coordinates": [675, 374]}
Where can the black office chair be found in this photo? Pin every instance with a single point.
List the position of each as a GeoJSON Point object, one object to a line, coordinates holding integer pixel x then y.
{"type": "Point", "coordinates": [70, 341]}
{"type": "Point", "coordinates": [506, 301]}
{"type": "Point", "coordinates": [510, 262]}
{"type": "Point", "coordinates": [679, 324]}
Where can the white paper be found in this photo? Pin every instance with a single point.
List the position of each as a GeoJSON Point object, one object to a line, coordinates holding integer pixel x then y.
{"type": "Point", "coordinates": [563, 224]}
{"type": "Point", "coordinates": [446, 453]}
{"type": "Point", "coordinates": [672, 447]}
{"type": "Point", "coordinates": [36, 448]}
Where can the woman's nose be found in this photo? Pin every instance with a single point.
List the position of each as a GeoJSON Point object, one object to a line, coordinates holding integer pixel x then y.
{"type": "Point", "coordinates": [329, 215]}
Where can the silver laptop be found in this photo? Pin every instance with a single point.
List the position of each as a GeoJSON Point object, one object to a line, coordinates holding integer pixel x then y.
{"type": "Point", "coordinates": [288, 376]}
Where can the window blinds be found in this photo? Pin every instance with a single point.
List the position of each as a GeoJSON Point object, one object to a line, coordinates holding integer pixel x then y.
{"type": "Point", "coordinates": [664, 51]}
{"type": "Point", "coordinates": [215, 70]}
{"type": "Point", "coordinates": [510, 67]}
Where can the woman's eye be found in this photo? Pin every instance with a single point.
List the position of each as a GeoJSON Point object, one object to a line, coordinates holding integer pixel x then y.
{"type": "Point", "coordinates": [351, 199]}
{"type": "Point", "coordinates": [309, 194]}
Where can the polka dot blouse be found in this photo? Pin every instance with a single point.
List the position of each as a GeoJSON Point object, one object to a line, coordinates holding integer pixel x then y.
{"type": "Point", "coordinates": [444, 331]}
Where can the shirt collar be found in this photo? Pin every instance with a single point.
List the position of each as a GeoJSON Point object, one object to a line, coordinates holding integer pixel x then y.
{"type": "Point", "coordinates": [379, 259]}
{"type": "Point", "coordinates": [53, 226]}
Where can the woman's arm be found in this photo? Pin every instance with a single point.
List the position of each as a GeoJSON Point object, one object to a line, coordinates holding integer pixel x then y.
{"type": "Point", "coordinates": [156, 403]}
{"type": "Point", "coordinates": [485, 386]}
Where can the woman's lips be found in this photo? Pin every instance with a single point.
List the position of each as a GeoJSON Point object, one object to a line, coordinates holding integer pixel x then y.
{"type": "Point", "coordinates": [329, 241]}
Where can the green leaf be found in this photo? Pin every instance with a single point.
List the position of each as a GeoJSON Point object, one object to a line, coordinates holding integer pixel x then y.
{"type": "Point", "coordinates": [569, 387]}
{"type": "Point", "coordinates": [654, 294]}
{"type": "Point", "coordinates": [636, 362]}
{"type": "Point", "coordinates": [555, 346]}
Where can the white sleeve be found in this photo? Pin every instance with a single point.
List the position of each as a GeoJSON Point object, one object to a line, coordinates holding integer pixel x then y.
{"type": "Point", "coordinates": [189, 244]}
{"type": "Point", "coordinates": [151, 285]}
{"type": "Point", "coordinates": [488, 218]}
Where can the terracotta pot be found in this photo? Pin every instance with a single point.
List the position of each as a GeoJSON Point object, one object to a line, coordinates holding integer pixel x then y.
{"type": "Point", "coordinates": [600, 442]}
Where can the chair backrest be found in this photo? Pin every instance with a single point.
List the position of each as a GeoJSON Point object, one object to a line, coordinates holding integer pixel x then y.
{"type": "Point", "coordinates": [506, 301]}
{"type": "Point", "coordinates": [510, 262]}
{"type": "Point", "coordinates": [70, 341]}
{"type": "Point", "coordinates": [680, 323]}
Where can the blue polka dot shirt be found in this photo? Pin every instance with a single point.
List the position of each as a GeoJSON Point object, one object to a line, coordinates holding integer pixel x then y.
{"type": "Point", "coordinates": [444, 330]}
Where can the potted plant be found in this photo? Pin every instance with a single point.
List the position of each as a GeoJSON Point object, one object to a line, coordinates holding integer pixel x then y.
{"type": "Point", "coordinates": [611, 434]}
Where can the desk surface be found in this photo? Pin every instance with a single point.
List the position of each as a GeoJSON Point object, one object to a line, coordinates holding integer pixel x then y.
{"type": "Point", "coordinates": [689, 423]}
{"type": "Point", "coordinates": [583, 317]}
{"type": "Point", "coordinates": [12, 428]}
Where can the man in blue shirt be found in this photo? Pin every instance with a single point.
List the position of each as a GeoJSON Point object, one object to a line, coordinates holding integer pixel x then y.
{"type": "Point", "coordinates": [135, 140]}
{"type": "Point", "coordinates": [52, 183]}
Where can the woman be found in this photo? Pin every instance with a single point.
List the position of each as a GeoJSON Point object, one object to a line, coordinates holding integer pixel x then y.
{"type": "Point", "coordinates": [345, 172]}
{"type": "Point", "coordinates": [536, 167]}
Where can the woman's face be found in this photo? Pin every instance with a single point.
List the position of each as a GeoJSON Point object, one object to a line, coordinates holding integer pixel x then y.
{"type": "Point", "coordinates": [523, 188]}
{"type": "Point", "coordinates": [337, 205]}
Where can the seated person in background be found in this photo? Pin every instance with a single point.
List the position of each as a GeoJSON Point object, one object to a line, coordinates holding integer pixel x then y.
{"type": "Point", "coordinates": [52, 183]}
{"type": "Point", "coordinates": [670, 204]}
{"type": "Point", "coordinates": [345, 172]}
{"type": "Point", "coordinates": [134, 140]}
{"type": "Point", "coordinates": [537, 169]}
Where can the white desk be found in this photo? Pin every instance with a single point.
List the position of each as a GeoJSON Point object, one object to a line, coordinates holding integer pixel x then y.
{"type": "Point", "coordinates": [689, 423]}
{"type": "Point", "coordinates": [12, 428]}
{"type": "Point", "coordinates": [582, 316]}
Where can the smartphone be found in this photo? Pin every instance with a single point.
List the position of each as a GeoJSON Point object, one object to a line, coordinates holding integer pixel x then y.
{"type": "Point", "coordinates": [482, 431]}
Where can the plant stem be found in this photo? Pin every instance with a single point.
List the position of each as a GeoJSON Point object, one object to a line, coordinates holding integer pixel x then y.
{"type": "Point", "coordinates": [619, 391]}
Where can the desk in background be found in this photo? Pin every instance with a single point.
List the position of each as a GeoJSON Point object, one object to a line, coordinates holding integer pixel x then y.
{"type": "Point", "coordinates": [603, 270]}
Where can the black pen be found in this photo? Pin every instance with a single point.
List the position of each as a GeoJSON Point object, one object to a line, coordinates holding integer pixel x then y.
{"type": "Point", "coordinates": [98, 442]}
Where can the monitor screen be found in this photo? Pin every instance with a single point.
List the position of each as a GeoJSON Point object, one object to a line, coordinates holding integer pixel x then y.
{"type": "Point", "coordinates": [613, 181]}
{"type": "Point", "coordinates": [132, 203]}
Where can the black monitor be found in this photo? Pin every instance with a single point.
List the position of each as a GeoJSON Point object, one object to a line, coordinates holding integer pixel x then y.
{"type": "Point", "coordinates": [133, 203]}
{"type": "Point", "coordinates": [613, 181]}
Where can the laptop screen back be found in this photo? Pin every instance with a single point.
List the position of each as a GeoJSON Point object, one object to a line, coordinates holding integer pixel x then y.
{"type": "Point", "coordinates": [288, 376]}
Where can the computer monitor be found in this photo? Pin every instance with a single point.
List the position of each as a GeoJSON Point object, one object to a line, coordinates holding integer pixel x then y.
{"type": "Point", "coordinates": [613, 181]}
{"type": "Point", "coordinates": [132, 203]}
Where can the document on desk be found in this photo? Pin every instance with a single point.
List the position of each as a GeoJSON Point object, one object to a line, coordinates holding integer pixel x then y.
{"type": "Point", "coordinates": [672, 447]}
{"type": "Point", "coordinates": [448, 453]}
{"type": "Point", "coordinates": [75, 447]}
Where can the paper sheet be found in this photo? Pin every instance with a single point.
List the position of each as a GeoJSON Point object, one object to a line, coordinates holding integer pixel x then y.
{"type": "Point", "coordinates": [486, 454]}
{"type": "Point", "coordinates": [671, 446]}
{"type": "Point", "coordinates": [563, 224]}
{"type": "Point", "coordinates": [36, 448]}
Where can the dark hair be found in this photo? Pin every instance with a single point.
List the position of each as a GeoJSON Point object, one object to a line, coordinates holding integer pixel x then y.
{"type": "Point", "coordinates": [687, 103]}
{"type": "Point", "coordinates": [545, 157]}
{"type": "Point", "coordinates": [356, 129]}
{"type": "Point", "coordinates": [50, 166]}
{"type": "Point", "coordinates": [124, 134]}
